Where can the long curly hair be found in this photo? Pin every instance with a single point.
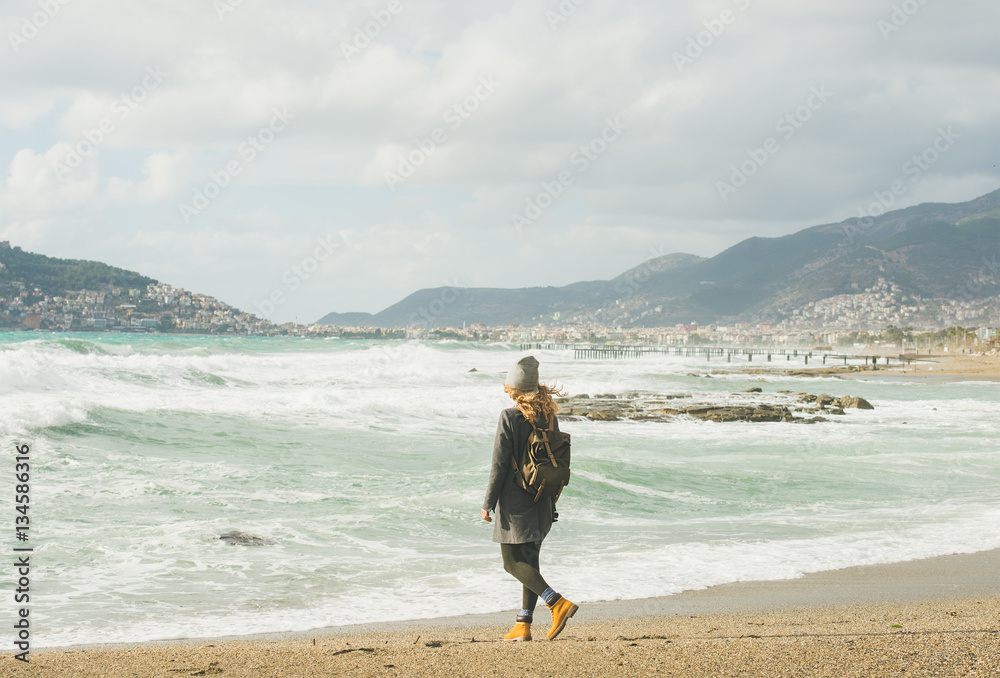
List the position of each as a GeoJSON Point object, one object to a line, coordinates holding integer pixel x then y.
{"type": "Point", "coordinates": [540, 403]}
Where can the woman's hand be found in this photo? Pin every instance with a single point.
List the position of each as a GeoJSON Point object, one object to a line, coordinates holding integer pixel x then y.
{"type": "Point", "coordinates": [486, 516]}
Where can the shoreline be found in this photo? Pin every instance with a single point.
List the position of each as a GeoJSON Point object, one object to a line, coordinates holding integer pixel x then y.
{"type": "Point", "coordinates": [937, 368]}
{"type": "Point", "coordinates": [953, 600]}
{"type": "Point", "coordinates": [959, 575]}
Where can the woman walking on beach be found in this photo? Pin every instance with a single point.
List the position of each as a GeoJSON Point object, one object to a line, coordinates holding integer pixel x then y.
{"type": "Point", "coordinates": [521, 522]}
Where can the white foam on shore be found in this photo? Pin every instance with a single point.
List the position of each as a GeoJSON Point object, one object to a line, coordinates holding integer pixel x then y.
{"type": "Point", "coordinates": [470, 585]}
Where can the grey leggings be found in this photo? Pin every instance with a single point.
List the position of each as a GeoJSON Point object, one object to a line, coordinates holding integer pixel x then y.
{"type": "Point", "coordinates": [521, 560]}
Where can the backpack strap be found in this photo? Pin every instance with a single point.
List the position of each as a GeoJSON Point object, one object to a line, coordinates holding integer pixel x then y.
{"type": "Point", "coordinates": [513, 461]}
{"type": "Point", "coordinates": [545, 439]}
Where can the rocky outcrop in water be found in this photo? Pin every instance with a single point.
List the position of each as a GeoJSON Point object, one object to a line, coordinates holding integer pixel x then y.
{"type": "Point", "coordinates": [860, 403]}
{"type": "Point", "coordinates": [751, 405]}
{"type": "Point", "coordinates": [836, 405]}
{"type": "Point", "coordinates": [235, 537]}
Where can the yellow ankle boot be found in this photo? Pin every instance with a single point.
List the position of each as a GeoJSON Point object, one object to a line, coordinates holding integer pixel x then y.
{"type": "Point", "coordinates": [521, 631]}
{"type": "Point", "coordinates": [562, 610]}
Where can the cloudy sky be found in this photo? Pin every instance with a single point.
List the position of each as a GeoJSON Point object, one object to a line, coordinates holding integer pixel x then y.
{"type": "Point", "coordinates": [297, 157]}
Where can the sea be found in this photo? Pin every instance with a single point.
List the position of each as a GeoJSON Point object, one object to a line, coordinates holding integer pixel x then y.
{"type": "Point", "coordinates": [366, 462]}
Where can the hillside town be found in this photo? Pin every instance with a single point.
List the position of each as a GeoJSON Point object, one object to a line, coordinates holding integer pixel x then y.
{"type": "Point", "coordinates": [163, 308]}
{"type": "Point", "coordinates": [881, 314]}
{"type": "Point", "coordinates": [885, 304]}
{"type": "Point", "coordinates": [159, 307]}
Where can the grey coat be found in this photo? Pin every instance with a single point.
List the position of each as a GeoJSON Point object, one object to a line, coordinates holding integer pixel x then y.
{"type": "Point", "coordinates": [519, 518]}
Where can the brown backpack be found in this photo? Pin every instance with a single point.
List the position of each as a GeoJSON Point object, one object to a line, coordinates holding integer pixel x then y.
{"type": "Point", "coordinates": [544, 465]}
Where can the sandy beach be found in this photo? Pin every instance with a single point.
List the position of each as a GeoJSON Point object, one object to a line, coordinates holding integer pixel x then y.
{"type": "Point", "coordinates": [936, 367]}
{"type": "Point", "coordinates": [933, 617]}
{"type": "Point", "coordinates": [951, 367]}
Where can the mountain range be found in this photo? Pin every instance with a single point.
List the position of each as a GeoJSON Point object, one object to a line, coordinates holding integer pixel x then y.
{"type": "Point", "coordinates": [944, 254]}
{"type": "Point", "coordinates": [932, 251]}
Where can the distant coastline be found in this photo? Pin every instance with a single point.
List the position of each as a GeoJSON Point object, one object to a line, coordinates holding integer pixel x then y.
{"type": "Point", "coordinates": [945, 344]}
{"type": "Point", "coordinates": [38, 292]}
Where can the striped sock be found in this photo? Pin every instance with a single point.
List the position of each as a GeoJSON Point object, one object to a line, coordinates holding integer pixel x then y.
{"type": "Point", "coordinates": [550, 596]}
{"type": "Point", "coordinates": [526, 616]}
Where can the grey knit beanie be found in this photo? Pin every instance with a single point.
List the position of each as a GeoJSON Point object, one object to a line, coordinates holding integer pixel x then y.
{"type": "Point", "coordinates": [523, 375]}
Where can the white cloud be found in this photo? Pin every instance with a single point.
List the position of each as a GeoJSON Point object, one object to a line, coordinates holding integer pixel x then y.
{"type": "Point", "coordinates": [52, 183]}
{"type": "Point", "coordinates": [557, 85]}
{"type": "Point", "coordinates": [19, 113]}
{"type": "Point", "coordinates": [33, 187]}
{"type": "Point", "coordinates": [165, 174]}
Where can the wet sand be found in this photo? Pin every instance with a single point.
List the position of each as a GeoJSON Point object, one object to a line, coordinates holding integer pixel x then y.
{"type": "Point", "coordinates": [944, 368]}
{"type": "Point", "coordinates": [936, 367]}
{"type": "Point", "coordinates": [933, 617]}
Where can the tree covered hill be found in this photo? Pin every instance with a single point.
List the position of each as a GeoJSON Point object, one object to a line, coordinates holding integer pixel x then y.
{"type": "Point", "coordinates": [55, 276]}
